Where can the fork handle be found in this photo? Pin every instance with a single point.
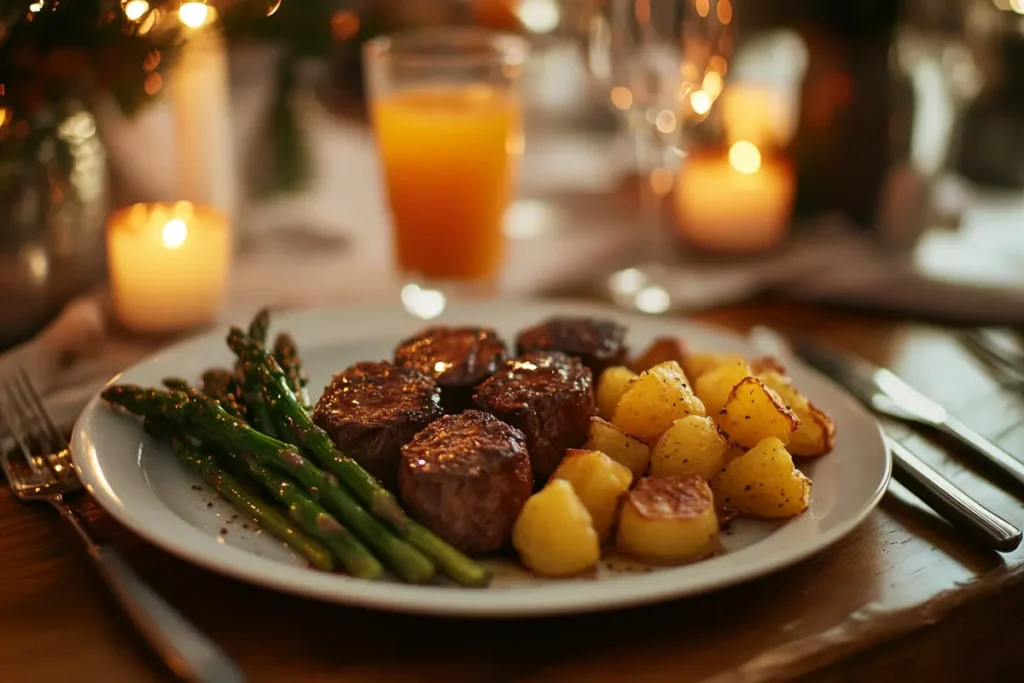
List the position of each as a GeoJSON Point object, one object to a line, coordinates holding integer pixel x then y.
{"type": "Point", "coordinates": [188, 653]}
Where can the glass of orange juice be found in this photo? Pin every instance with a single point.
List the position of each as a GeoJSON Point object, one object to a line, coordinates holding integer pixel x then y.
{"type": "Point", "coordinates": [446, 111]}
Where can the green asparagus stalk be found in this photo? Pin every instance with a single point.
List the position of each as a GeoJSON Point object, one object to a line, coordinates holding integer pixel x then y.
{"type": "Point", "coordinates": [230, 433]}
{"type": "Point", "coordinates": [312, 517]}
{"type": "Point", "coordinates": [286, 352]}
{"type": "Point", "coordinates": [176, 383]}
{"type": "Point", "coordinates": [219, 384]}
{"type": "Point", "coordinates": [241, 497]}
{"type": "Point", "coordinates": [293, 419]}
{"type": "Point", "coordinates": [260, 326]}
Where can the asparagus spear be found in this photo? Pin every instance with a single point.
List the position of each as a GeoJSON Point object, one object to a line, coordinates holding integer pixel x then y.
{"type": "Point", "coordinates": [219, 384]}
{"type": "Point", "coordinates": [175, 383]}
{"type": "Point", "coordinates": [286, 352]}
{"type": "Point", "coordinates": [240, 497]}
{"type": "Point", "coordinates": [230, 433]}
{"type": "Point", "coordinates": [260, 325]}
{"type": "Point", "coordinates": [292, 418]}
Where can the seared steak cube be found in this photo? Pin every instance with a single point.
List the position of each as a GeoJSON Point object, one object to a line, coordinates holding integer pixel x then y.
{"type": "Point", "coordinates": [598, 343]}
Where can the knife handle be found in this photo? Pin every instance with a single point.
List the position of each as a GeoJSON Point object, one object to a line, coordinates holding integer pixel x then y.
{"type": "Point", "coordinates": [952, 504]}
{"type": "Point", "coordinates": [992, 453]}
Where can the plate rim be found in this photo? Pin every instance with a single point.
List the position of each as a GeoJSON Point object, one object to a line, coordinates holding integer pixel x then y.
{"type": "Point", "coordinates": [444, 601]}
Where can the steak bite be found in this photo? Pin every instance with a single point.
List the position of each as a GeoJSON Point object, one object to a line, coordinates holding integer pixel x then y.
{"type": "Point", "coordinates": [466, 477]}
{"type": "Point", "coordinates": [549, 397]}
{"type": "Point", "coordinates": [371, 410]}
{"type": "Point", "coordinates": [458, 358]}
{"type": "Point", "coordinates": [598, 343]}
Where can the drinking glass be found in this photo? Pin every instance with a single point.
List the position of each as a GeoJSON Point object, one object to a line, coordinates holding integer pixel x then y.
{"type": "Point", "coordinates": [663, 65]}
{"type": "Point", "coordinates": [446, 111]}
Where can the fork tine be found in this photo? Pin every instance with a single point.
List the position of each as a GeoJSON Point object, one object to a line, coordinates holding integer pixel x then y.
{"type": "Point", "coordinates": [58, 441]}
{"type": "Point", "coordinates": [13, 419]}
{"type": "Point", "coordinates": [991, 357]}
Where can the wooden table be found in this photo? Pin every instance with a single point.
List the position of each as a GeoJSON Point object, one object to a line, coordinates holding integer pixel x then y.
{"type": "Point", "coordinates": [904, 597]}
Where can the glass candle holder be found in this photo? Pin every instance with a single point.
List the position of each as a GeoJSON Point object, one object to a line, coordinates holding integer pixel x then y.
{"type": "Point", "coordinates": [168, 264]}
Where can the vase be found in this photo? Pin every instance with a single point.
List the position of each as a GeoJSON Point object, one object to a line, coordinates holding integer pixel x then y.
{"type": "Point", "coordinates": [53, 206]}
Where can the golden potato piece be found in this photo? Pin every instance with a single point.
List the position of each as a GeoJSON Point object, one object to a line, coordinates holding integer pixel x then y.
{"type": "Point", "coordinates": [764, 364]}
{"type": "Point", "coordinates": [553, 534]}
{"type": "Point", "coordinates": [692, 445]}
{"type": "Point", "coordinates": [763, 482]}
{"type": "Point", "coordinates": [610, 386]}
{"type": "Point", "coordinates": [654, 400]}
{"type": "Point", "coordinates": [600, 483]}
{"type": "Point", "coordinates": [669, 519]}
{"type": "Point", "coordinates": [754, 412]}
{"type": "Point", "coordinates": [713, 387]}
{"type": "Point", "coordinates": [661, 350]}
{"type": "Point", "coordinates": [698, 364]}
{"type": "Point", "coordinates": [817, 432]}
{"type": "Point", "coordinates": [616, 444]}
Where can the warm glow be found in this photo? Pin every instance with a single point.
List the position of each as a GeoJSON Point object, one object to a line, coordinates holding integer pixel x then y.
{"type": "Point", "coordinates": [724, 11]}
{"type": "Point", "coordinates": [539, 16]}
{"type": "Point", "coordinates": [423, 303]}
{"type": "Point", "coordinates": [193, 14]}
{"type": "Point", "coordinates": [272, 10]}
{"type": "Point", "coordinates": [344, 26]}
{"type": "Point", "coordinates": [3, 116]}
{"type": "Point", "coordinates": [152, 84]}
{"type": "Point", "coordinates": [700, 102]}
{"type": "Point", "coordinates": [661, 181]}
{"type": "Point", "coordinates": [152, 60]}
{"type": "Point", "coordinates": [1017, 6]}
{"type": "Point", "coordinates": [174, 234]}
{"type": "Point", "coordinates": [718, 64]}
{"type": "Point", "coordinates": [703, 7]}
{"type": "Point", "coordinates": [712, 84]}
{"type": "Point", "coordinates": [622, 98]}
{"type": "Point", "coordinates": [745, 157]}
{"type": "Point", "coordinates": [134, 9]}
{"type": "Point", "coordinates": [665, 121]}
{"type": "Point", "coordinates": [35, 7]}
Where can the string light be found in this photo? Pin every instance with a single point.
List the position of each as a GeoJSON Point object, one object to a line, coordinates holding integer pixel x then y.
{"type": "Point", "coordinates": [135, 9]}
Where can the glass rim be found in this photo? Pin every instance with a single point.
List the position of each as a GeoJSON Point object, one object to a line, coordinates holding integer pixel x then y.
{"type": "Point", "coordinates": [448, 46]}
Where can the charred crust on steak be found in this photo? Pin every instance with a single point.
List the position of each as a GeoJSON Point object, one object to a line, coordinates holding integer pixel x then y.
{"type": "Point", "coordinates": [466, 477]}
{"type": "Point", "coordinates": [599, 343]}
{"type": "Point", "coordinates": [372, 409]}
{"type": "Point", "coordinates": [458, 358]}
{"type": "Point", "coordinates": [547, 395]}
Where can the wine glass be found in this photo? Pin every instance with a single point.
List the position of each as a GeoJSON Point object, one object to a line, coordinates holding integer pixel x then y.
{"type": "Point", "coordinates": [662, 64]}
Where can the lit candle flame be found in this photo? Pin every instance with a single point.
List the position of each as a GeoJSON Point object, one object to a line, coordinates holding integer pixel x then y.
{"type": "Point", "coordinates": [745, 157]}
{"type": "Point", "coordinates": [193, 14]}
{"type": "Point", "coordinates": [174, 234]}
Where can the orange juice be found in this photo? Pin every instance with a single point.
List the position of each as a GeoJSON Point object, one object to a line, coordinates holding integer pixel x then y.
{"type": "Point", "coordinates": [449, 157]}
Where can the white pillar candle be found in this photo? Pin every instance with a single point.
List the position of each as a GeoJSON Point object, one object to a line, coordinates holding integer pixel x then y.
{"type": "Point", "coordinates": [201, 102]}
{"type": "Point", "coordinates": [168, 265]}
{"type": "Point", "coordinates": [735, 201]}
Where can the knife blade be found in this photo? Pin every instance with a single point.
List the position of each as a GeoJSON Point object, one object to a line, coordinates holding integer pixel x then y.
{"type": "Point", "coordinates": [887, 393]}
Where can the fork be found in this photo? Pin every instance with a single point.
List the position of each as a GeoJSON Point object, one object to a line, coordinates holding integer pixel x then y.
{"type": "Point", "coordinates": [48, 477]}
{"type": "Point", "coordinates": [1006, 364]}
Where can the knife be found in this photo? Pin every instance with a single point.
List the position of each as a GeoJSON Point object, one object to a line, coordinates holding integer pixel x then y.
{"type": "Point", "coordinates": [955, 506]}
{"type": "Point", "coordinates": [886, 393]}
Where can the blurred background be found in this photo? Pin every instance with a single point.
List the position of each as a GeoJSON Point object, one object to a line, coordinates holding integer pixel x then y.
{"type": "Point", "coordinates": [679, 154]}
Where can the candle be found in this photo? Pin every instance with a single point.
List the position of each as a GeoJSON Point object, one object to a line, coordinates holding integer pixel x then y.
{"type": "Point", "coordinates": [201, 102]}
{"type": "Point", "coordinates": [168, 265]}
{"type": "Point", "coordinates": [734, 201]}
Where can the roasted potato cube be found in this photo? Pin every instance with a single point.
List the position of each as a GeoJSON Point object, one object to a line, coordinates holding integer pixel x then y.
{"type": "Point", "coordinates": [763, 482]}
{"type": "Point", "coordinates": [600, 483]}
{"type": "Point", "coordinates": [610, 386]}
{"type": "Point", "coordinates": [817, 432]}
{"type": "Point", "coordinates": [669, 519]}
{"type": "Point", "coordinates": [654, 400]}
{"type": "Point", "coordinates": [713, 387]}
{"type": "Point", "coordinates": [553, 534]}
{"type": "Point", "coordinates": [765, 364]}
{"type": "Point", "coordinates": [692, 445]}
{"type": "Point", "coordinates": [697, 364]}
{"type": "Point", "coordinates": [619, 446]}
{"type": "Point", "coordinates": [661, 349]}
{"type": "Point", "coordinates": [754, 412]}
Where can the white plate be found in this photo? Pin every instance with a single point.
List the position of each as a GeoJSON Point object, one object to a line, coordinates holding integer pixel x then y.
{"type": "Point", "coordinates": [146, 489]}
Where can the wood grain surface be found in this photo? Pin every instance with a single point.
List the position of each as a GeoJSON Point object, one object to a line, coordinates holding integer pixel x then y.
{"type": "Point", "coordinates": [904, 597]}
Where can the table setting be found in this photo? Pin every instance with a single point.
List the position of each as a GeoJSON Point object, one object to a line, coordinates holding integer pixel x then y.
{"type": "Point", "coordinates": [525, 341]}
